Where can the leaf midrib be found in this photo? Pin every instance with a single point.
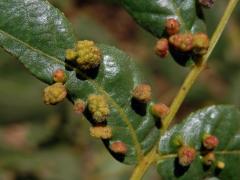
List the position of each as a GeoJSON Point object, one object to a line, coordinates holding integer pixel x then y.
{"type": "Point", "coordinates": [178, 13]}
{"type": "Point", "coordinates": [99, 88]}
{"type": "Point", "coordinates": [223, 152]}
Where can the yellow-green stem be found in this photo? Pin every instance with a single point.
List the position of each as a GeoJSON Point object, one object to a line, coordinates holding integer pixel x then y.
{"type": "Point", "coordinates": [197, 69]}
{"type": "Point", "coordinates": [144, 164]}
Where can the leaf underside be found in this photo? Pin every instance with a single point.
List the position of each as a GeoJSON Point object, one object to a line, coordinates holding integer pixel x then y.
{"type": "Point", "coordinates": [222, 121]}
{"type": "Point", "coordinates": [152, 16]}
{"type": "Point", "coordinates": [38, 35]}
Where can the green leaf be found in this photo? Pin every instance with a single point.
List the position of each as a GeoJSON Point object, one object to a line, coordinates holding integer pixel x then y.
{"type": "Point", "coordinates": [38, 36]}
{"type": "Point", "coordinates": [152, 14]}
{"type": "Point", "coordinates": [35, 32]}
{"type": "Point", "coordinates": [117, 77]}
{"type": "Point", "coordinates": [221, 121]}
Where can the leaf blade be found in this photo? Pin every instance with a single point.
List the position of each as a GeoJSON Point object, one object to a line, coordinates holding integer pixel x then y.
{"type": "Point", "coordinates": [117, 86]}
{"type": "Point", "coordinates": [152, 15]}
{"type": "Point", "coordinates": [116, 78]}
{"type": "Point", "coordinates": [221, 121]}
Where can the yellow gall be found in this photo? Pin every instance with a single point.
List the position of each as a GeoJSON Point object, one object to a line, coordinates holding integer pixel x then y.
{"type": "Point", "coordinates": [119, 147]}
{"type": "Point", "coordinates": [182, 42]}
{"type": "Point", "coordinates": [220, 165]}
{"type": "Point", "coordinates": [103, 132]}
{"type": "Point", "coordinates": [142, 93]}
{"type": "Point", "coordinates": [83, 44]}
{"type": "Point", "coordinates": [161, 48]}
{"type": "Point", "coordinates": [89, 55]}
{"type": "Point", "coordinates": [98, 106]}
{"type": "Point", "coordinates": [79, 106]}
{"type": "Point", "coordinates": [209, 158]}
{"type": "Point", "coordinates": [59, 76]}
{"type": "Point", "coordinates": [200, 43]}
{"type": "Point", "coordinates": [160, 110]}
{"type": "Point", "coordinates": [71, 54]}
{"type": "Point", "coordinates": [172, 26]}
{"type": "Point", "coordinates": [186, 155]}
{"type": "Point", "coordinates": [54, 94]}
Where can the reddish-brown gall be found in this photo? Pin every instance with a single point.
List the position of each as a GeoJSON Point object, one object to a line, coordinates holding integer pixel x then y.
{"type": "Point", "coordinates": [172, 26]}
{"type": "Point", "coordinates": [182, 42]}
{"type": "Point", "coordinates": [160, 110]}
{"type": "Point", "coordinates": [161, 48]}
{"type": "Point", "coordinates": [59, 76]}
{"type": "Point", "coordinates": [119, 147]}
{"type": "Point", "coordinates": [186, 155]}
{"type": "Point", "coordinates": [210, 142]}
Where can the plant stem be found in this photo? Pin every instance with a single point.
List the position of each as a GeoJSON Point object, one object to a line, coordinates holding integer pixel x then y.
{"type": "Point", "coordinates": [197, 69]}
{"type": "Point", "coordinates": [144, 164]}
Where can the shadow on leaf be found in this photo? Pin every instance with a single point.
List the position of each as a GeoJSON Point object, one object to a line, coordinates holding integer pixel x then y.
{"type": "Point", "coordinates": [179, 170]}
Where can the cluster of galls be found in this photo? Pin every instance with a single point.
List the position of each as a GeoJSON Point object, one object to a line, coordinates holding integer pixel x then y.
{"type": "Point", "coordinates": [187, 154]}
{"type": "Point", "coordinates": [57, 92]}
{"type": "Point", "coordinates": [197, 43]}
{"type": "Point", "coordinates": [85, 55]}
{"type": "Point", "coordinates": [210, 142]}
{"type": "Point", "coordinates": [99, 109]}
{"type": "Point", "coordinates": [143, 94]}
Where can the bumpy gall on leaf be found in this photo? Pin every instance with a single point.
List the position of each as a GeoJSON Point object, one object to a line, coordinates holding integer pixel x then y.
{"type": "Point", "coordinates": [70, 54]}
{"type": "Point", "coordinates": [186, 155]}
{"type": "Point", "coordinates": [209, 158]}
{"type": "Point", "coordinates": [98, 106]}
{"type": "Point", "coordinates": [79, 106]}
{"type": "Point", "coordinates": [59, 76]}
{"type": "Point", "coordinates": [119, 147]}
{"type": "Point", "coordinates": [103, 132]}
{"type": "Point", "coordinates": [220, 165]}
{"type": "Point", "coordinates": [142, 93]}
{"type": "Point", "coordinates": [161, 48]}
{"type": "Point", "coordinates": [159, 110]}
{"type": "Point", "coordinates": [172, 26]}
{"type": "Point", "coordinates": [200, 43]}
{"type": "Point", "coordinates": [89, 56]}
{"type": "Point", "coordinates": [182, 42]}
{"type": "Point", "coordinates": [85, 54]}
{"type": "Point", "coordinates": [210, 142]}
{"type": "Point", "coordinates": [54, 94]}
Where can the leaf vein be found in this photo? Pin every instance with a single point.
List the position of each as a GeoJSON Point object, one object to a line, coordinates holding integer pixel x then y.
{"type": "Point", "coordinates": [118, 108]}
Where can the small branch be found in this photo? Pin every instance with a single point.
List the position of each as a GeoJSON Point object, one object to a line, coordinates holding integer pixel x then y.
{"type": "Point", "coordinates": [151, 157]}
{"type": "Point", "coordinates": [144, 164]}
{"type": "Point", "coordinates": [197, 69]}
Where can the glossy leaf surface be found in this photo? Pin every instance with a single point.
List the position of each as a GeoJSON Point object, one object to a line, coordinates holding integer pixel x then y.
{"type": "Point", "coordinates": [221, 121]}
{"type": "Point", "coordinates": [152, 14]}
{"type": "Point", "coordinates": [38, 35]}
